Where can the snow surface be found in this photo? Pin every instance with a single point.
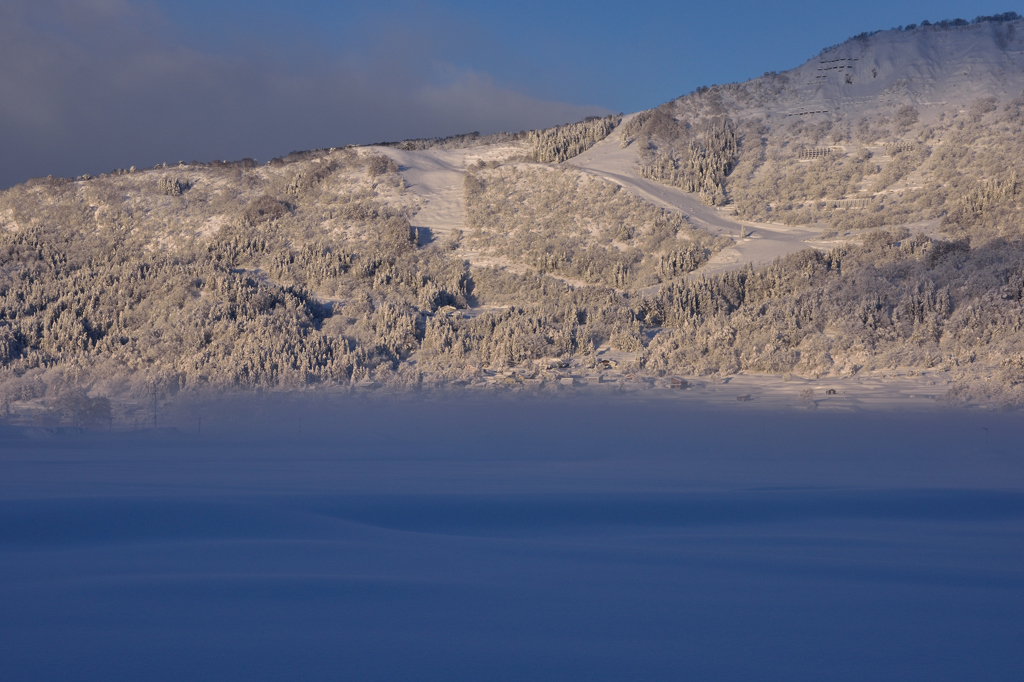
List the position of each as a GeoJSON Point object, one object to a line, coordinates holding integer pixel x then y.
{"type": "Point", "coordinates": [927, 66]}
{"type": "Point", "coordinates": [508, 540]}
{"type": "Point", "coordinates": [436, 177]}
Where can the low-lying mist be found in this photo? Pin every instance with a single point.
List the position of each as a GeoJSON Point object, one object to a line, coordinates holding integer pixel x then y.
{"type": "Point", "coordinates": [335, 538]}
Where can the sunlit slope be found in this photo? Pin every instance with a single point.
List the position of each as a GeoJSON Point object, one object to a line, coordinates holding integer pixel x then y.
{"type": "Point", "coordinates": [850, 220]}
{"type": "Point", "coordinates": [902, 127]}
{"type": "Point", "coordinates": [927, 66]}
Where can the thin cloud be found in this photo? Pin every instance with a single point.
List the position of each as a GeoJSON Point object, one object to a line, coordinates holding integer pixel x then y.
{"type": "Point", "coordinates": [88, 86]}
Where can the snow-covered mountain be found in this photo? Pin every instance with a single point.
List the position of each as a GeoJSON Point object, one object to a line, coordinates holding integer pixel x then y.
{"type": "Point", "coordinates": [925, 66]}
{"type": "Point", "coordinates": [857, 216]}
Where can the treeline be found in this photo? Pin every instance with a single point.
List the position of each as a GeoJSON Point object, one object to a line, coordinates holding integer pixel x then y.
{"type": "Point", "coordinates": [548, 145]}
{"type": "Point", "coordinates": [943, 24]}
{"type": "Point", "coordinates": [690, 143]}
{"type": "Point", "coordinates": [702, 168]}
{"type": "Point", "coordinates": [558, 144]}
{"type": "Point", "coordinates": [463, 141]}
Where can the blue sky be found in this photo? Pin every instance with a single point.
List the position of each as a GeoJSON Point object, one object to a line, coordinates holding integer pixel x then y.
{"type": "Point", "coordinates": [90, 85]}
{"type": "Point", "coordinates": [624, 56]}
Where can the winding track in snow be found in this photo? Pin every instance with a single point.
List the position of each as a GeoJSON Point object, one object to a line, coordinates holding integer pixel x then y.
{"type": "Point", "coordinates": [761, 243]}
{"type": "Point", "coordinates": [436, 177]}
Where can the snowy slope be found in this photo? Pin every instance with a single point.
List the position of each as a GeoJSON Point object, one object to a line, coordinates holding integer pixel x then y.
{"type": "Point", "coordinates": [930, 67]}
{"type": "Point", "coordinates": [926, 66]}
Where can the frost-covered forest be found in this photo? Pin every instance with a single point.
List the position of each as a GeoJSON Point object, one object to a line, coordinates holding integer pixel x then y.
{"type": "Point", "coordinates": [894, 162]}
{"type": "Point", "coordinates": [306, 272]}
{"type": "Point", "coordinates": [880, 170]}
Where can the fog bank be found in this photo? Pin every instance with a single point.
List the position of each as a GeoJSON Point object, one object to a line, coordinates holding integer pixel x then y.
{"type": "Point", "coordinates": [507, 539]}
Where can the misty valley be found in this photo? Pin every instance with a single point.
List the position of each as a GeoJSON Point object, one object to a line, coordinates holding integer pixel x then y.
{"type": "Point", "coordinates": [724, 389]}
